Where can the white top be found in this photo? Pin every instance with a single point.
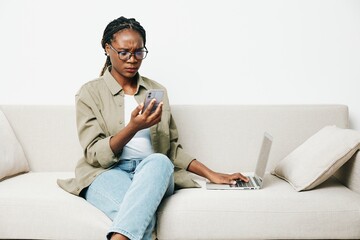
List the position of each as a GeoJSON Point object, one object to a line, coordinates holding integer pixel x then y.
{"type": "Point", "coordinates": [139, 147]}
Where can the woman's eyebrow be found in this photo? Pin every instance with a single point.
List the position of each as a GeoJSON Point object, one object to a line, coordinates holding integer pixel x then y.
{"type": "Point", "coordinates": [128, 50]}
{"type": "Point", "coordinates": [122, 49]}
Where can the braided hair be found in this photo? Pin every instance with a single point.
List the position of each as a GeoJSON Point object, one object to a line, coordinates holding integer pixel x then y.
{"type": "Point", "coordinates": [115, 26]}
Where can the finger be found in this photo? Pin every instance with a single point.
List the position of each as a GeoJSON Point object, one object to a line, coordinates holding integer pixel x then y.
{"type": "Point", "coordinates": [158, 110]}
{"type": "Point", "coordinates": [155, 118]}
{"type": "Point", "coordinates": [232, 182]}
{"type": "Point", "coordinates": [137, 110]}
{"type": "Point", "coordinates": [157, 114]}
{"type": "Point", "coordinates": [244, 178]}
{"type": "Point", "coordinates": [240, 176]}
{"type": "Point", "coordinates": [147, 111]}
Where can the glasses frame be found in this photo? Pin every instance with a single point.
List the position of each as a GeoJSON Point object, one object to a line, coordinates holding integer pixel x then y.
{"type": "Point", "coordinates": [144, 49]}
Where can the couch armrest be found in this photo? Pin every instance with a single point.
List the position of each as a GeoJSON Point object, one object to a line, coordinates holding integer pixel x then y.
{"type": "Point", "coordinates": [349, 174]}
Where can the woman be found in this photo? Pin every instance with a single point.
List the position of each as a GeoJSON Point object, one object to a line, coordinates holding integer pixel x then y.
{"type": "Point", "coordinates": [129, 153]}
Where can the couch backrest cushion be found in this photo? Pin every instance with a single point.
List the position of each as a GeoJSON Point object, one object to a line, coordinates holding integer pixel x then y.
{"type": "Point", "coordinates": [349, 174]}
{"type": "Point", "coordinates": [12, 157]}
{"type": "Point", "coordinates": [226, 138]}
{"type": "Point", "coordinates": [47, 134]}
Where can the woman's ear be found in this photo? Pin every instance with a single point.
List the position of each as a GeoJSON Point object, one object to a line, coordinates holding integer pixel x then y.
{"type": "Point", "coordinates": [107, 50]}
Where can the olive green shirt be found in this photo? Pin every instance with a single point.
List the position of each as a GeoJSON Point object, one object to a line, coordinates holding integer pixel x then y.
{"type": "Point", "coordinates": [100, 115]}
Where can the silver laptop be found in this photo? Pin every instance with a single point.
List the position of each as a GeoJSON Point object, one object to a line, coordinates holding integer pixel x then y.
{"type": "Point", "coordinates": [256, 179]}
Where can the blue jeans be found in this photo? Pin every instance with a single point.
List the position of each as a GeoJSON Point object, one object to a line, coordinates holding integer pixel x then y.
{"type": "Point", "coordinates": [130, 193]}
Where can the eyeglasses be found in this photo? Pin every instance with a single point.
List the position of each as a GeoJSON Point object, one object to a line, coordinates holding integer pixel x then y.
{"type": "Point", "coordinates": [126, 55]}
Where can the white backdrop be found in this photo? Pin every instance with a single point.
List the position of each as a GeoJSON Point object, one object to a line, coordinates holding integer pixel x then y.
{"type": "Point", "coordinates": [203, 51]}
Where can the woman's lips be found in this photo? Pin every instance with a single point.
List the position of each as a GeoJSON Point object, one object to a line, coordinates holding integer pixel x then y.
{"type": "Point", "coordinates": [131, 70]}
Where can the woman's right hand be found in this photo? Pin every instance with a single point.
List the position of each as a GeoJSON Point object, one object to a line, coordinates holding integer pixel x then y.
{"type": "Point", "coordinates": [141, 120]}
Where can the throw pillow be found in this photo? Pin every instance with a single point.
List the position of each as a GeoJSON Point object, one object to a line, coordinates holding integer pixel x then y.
{"type": "Point", "coordinates": [12, 157]}
{"type": "Point", "coordinates": [318, 158]}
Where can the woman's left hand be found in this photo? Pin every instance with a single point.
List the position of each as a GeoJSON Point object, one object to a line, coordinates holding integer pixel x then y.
{"type": "Point", "coordinates": [226, 178]}
{"type": "Point", "coordinates": [200, 169]}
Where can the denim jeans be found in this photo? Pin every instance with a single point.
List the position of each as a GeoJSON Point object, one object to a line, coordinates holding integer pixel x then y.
{"type": "Point", "coordinates": [130, 193]}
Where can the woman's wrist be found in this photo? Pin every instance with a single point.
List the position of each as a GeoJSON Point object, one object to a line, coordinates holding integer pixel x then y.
{"type": "Point", "coordinates": [118, 141]}
{"type": "Point", "coordinates": [200, 169]}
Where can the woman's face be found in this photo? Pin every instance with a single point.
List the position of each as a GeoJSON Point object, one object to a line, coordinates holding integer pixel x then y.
{"type": "Point", "coordinates": [124, 41]}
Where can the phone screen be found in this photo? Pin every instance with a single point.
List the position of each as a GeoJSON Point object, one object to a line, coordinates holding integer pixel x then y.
{"type": "Point", "coordinates": [156, 94]}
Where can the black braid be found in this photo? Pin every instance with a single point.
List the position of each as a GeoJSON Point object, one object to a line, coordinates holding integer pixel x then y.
{"type": "Point", "coordinates": [115, 26]}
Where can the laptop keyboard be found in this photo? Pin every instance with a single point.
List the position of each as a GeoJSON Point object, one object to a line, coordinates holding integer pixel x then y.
{"type": "Point", "coordinates": [240, 183]}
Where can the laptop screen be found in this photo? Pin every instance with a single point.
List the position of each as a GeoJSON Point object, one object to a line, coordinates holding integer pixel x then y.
{"type": "Point", "coordinates": [263, 156]}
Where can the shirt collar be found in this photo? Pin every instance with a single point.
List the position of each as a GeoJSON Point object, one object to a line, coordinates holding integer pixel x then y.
{"type": "Point", "coordinates": [115, 87]}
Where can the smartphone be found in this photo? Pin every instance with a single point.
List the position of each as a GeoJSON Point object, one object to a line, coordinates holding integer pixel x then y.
{"type": "Point", "coordinates": [151, 94]}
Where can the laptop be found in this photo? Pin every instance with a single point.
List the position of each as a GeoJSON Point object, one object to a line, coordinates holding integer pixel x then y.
{"type": "Point", "coordinates": [256, 179]}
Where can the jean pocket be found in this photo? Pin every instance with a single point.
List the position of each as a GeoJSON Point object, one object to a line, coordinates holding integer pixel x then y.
{"type": "Point", "coordinates": [128, 166]}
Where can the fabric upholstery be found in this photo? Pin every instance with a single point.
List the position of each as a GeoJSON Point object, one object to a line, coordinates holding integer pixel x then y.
{"type": "Point", "coordinates": [318, 158]}
{"type": "Point", "coordinates": [46, 133]}
{"type": "Point", "coordinates": [229, 137]}
{"type": "Point", "coordinates": [274, 212]}
{"type": "Point", "coordinates": [12, 157]}
{"type": "Point", "coordinates": [34, 207]}
{"type": "Point", "coordinates": [349, 174]}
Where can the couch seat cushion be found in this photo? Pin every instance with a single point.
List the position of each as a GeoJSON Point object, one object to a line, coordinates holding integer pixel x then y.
{"type": "Point", "coordinates": [53, 213]}
{"type": "Point", "coordinates": [329, 211]}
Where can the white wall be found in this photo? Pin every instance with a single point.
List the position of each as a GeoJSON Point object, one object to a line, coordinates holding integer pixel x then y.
{"type": "Point", "coordinates": [203, 51]}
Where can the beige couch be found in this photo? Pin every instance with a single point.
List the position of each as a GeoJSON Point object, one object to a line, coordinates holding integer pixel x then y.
{"type": "Point", "coordinates": [226, 138]}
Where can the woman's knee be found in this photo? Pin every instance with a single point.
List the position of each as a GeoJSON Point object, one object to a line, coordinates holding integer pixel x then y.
{"type": "Point", "coordinates": [160, 161]}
